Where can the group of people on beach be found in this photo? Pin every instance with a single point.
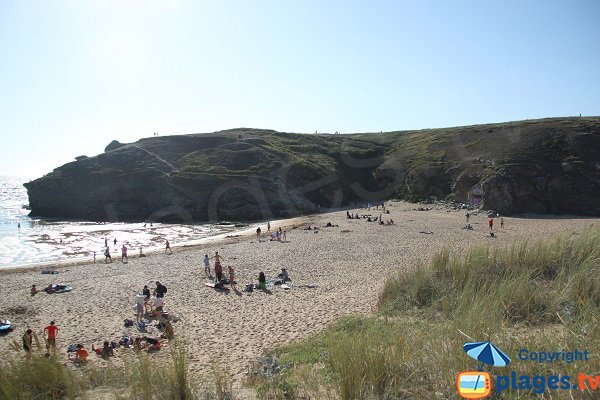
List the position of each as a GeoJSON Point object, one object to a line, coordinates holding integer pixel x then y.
{"type": "Point", "coordinates": [278, 235]}
{"type": "Point", "coordinates": [219, 278]}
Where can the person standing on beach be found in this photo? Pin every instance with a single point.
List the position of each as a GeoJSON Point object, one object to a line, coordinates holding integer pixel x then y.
{"type": "Point", "coordinates": [28, 343]}
{"type": "Point", "coordinates": [468, 216]}
{"type": "Point", "coordinates": [218, 267]}
{"type": "Point", "coordinates": [502, 222]}
{"type": "Point", "coordinates": [52, 330]}
{"type": "Point", "coordinates": [206, 266]}
{"type": "Point", "coordinates": [258, 233]}
{"type": "Point", "coordinates": [168, 247]}
{"type": "Point", "coordinates": [18, 225]}
{"type": "Point", "coordinates": [124, 254]}
{"type": "Point", "coordinates": [107, 255]}
{"type": "Point", "coordinates": [491, 223]}
{"type": "Point", "coordinates": [231, 276]}
{"type": "Point", "coordinates": [268, 227]}
{"type": "Point", "coordinates": [105, 242]}
{"type": "Point", "coordinates": [115, 243]}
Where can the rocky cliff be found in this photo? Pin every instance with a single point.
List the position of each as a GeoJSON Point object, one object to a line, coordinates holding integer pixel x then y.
{"type": "Point", "coordinates": [541, 166]}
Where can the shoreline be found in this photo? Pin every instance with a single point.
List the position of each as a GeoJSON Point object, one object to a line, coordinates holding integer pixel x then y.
{"type": "Point", "coordinates": [189, 244]}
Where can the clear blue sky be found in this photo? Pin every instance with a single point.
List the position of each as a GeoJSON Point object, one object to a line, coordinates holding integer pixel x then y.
{"type": "Point", "coordinates": [75, 74]}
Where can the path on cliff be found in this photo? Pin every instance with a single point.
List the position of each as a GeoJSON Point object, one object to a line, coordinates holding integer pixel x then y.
{"type": "Point", "coordinates": [173, 168]}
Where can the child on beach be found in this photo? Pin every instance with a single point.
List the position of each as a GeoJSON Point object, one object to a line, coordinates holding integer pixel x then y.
{"type": "Point", "coordinates": [231, 276]}
{"type": "Point", "coordinates": [262, 281]}
{"type": "Point", "coordinates": [168, 247]}
{"type": "Point", "coordinates": [34, 290]}
{"type": "Point", "coordinates": [258, 233]}
{"type": "Point", "coordinates": [124, 254]}
{"type": "Point", "coordinates": [206, 265]}
{"type": "Point", "coordinates": [491, 223]}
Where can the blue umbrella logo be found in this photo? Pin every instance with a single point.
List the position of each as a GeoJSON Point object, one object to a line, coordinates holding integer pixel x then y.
{"type": "Point", "coordinates": [486, 353]}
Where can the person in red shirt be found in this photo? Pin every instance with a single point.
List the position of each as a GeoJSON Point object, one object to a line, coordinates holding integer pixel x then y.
{"type": "Point", "coordinates": [81, 355]}
{"type": "Point", "coordinates": [52, 330]}
{"type": "Point", "coordinates": [491, 223]}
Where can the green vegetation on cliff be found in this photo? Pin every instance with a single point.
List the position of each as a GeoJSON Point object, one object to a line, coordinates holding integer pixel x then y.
{"type": "Point", "coordinates": [543, 166]}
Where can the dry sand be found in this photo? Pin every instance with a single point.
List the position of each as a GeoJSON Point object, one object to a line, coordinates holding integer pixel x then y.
{"type": "Point", "coordinates": [348, 263]}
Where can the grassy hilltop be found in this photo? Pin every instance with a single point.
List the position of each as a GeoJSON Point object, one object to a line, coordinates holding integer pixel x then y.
{"type": "Point", "coordinates": [543, 166]}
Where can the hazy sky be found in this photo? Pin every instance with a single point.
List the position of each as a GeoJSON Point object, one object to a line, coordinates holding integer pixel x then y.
{"type": "Point", "coordinates": [76, 74]}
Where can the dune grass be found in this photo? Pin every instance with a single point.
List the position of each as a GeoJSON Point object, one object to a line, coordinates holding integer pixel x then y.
{"type": "Point", "coordinates": [541, 296]}
{"type": "Point", "coordinates": [139, 377]}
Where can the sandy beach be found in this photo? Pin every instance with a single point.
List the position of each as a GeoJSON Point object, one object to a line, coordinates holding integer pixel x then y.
{"type": "Point", "coordinates": [348, 263]}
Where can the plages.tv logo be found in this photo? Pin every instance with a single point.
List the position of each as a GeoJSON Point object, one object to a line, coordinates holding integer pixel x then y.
{"type": "Point", "coordinates": [478, 384]}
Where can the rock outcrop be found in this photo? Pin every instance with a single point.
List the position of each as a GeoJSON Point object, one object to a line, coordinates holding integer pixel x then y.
{"type": "Point", "coordinates": [538, 166]}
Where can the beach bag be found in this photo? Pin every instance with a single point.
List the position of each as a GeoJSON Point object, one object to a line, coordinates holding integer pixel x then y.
{"type": "Point", "coordinates": [250, 287]}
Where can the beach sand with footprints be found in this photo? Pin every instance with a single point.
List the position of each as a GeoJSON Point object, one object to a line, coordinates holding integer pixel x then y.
{"type": "Point", "coordinates": [347, 264]}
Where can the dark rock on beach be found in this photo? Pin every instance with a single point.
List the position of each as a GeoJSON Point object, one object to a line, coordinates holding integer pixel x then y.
{"type": "Point", "coordinates": [535, 166]}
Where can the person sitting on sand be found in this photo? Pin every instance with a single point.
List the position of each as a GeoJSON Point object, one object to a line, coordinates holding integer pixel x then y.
{"type": "Point", "coordinates": [262, 281]}
{"type": "Point", "coordinates": [107, 351]}
{"type": "Point", "coordinates": [284, 276]}
{"type": "Point", "coordinates": [153, 344]}
{"type": "Point", "coordinates": [49, 289]}
{"type": "Point", "coordinates": [34, 290]}
{"type": "Point", "coordinates": [81, 355]}
{"type": "Point", "coordinates": [167, 329]}
{"type": "Point", "coordinates": [231, 276]}
{"type": "Point", "coordinates": [138, 345]}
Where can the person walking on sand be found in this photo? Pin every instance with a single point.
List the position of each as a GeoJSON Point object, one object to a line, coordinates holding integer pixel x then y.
{"type": "Point", "coordinates": [258, 233]}
{"type": "Point", "coordinates": [206, 266]}
{"type": "Point", "coordinates": [52, 330]}
{"type": "Point", "coordinates": [491, 223]}
{"type": "Point", "coordinates": [28, 343]}
{"type": "Point", "coordinates": [168, 247]}
{"type": "Point", "coordinates": [468, 216]}
{"type": "Point", "coordinates": [107, 255]}
{"type": "Point", "coordinates": [124, 254]}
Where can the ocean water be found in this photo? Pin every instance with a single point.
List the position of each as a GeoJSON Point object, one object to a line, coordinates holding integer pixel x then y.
{"type": "Point", "coordinates": [44, 240]}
